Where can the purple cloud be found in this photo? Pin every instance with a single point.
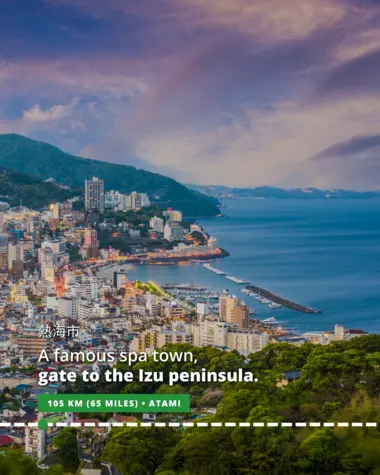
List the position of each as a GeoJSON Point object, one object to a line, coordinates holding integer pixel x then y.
{"type": "Point", "coordinates": [354, 145]}
{"type": "Point", "coordinates": [237, 89]}
{"type": "Point", "coordinates": [358, 76]}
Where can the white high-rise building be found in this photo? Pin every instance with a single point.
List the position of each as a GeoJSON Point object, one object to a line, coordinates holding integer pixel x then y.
{"type": "Point", "coordinates": [3, 249]}
{"type": "Point", "coordinates": [56, 245]}
{"type": "Point", "coordinates": [54, 210]}
{"type": "Point", "coordinates": [157, 224]}
{"type": "Point", "coordinates": [145, 202]}
{"type": "Point", "coordinates": [58, 249]}
{"type": "Point", "coordinates": [222, 335]}
{"type": "Point", "coordinates": [245, 341]}
{"type": "Point", "coordinates": [233, 311]}
{"type": "Point", "coordinates": [119, 279]}
{"type": "Point", "coordinates": [114, 199]}
{"type": "Point", "coordinates": [87, 289]}
{"type": "Point", "coordinates": [137, 200]}
{"type": "Point", "coordinates": [47, 264]}
{"type": "Point", "coordinates": [94, 195]}
{"type": "Point", "coordinates": [213, 333]}
{"type": "Point", "coordinates": [173, 232]}
{"type": "Point", "coordinates": [68, 307]}
{"type": "Point", "coordinates": [15, 255]}
{"type": "Point", "coordinates": [203, 308]}
{"type": "Point", "coordinates": [209, 333]}
{"type": "Point", "coordinates": [88, 310]}
{"type": "Point", "coordinates": [30, 224]}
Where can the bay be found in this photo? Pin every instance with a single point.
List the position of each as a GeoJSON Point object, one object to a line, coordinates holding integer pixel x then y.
{"type": "Point", "coordinates": [321, 253]}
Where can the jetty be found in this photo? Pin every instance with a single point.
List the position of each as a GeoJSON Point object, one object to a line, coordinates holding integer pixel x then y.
{"type": "Point", "coordinates": [236, 279]}
{"type": "Point", "coordinates": [282, 300]}
{"type": "Point", "coordinates": [214, 269]}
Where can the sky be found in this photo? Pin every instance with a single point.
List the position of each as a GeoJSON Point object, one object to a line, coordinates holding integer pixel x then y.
{"type": "Point", "coordinates": [230, 92]}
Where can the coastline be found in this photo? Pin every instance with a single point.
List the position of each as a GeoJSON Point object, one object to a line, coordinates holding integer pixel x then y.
{"type": "Point", "coordinates": [165, 260]}
{"type": "Point", "coordinates": [280, 246]}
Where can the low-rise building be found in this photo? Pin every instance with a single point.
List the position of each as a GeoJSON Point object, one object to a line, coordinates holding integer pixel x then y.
{"type": "Point", "coordinates": [31, 344]}
{"type": "Point", "coordinates": [39, 442]}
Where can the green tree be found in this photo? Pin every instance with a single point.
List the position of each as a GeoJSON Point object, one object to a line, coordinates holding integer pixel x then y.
{"type": "Point", "coordinates": [16, 463]}
{"type": "Point", "coordinates": [56, 470]}
{"type": "Point", "coordinates": [203, 452]}
{"type": "Point", "coordinates": [321, 452]}
{"type": "Point", "coordinates": [140, 451]}
{"type": "Point", "coordinates": [166, 389]}
{"type": "Point", "coordinates": [67, 444]}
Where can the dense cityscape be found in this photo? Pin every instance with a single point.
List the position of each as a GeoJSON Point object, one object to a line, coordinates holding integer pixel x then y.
{"type": "Point", "coordinates": [55, 294]}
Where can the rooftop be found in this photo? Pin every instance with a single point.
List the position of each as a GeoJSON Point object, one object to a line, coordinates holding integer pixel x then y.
{"type": "Point", "coordinates": [5, 440]}
{"type": "Point", "coordinates": [55, 418]}
{"type": "Point", "coordinates": [120, 418]}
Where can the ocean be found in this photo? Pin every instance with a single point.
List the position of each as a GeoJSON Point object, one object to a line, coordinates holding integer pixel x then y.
{"type": "Point", "coordinates": [323, 254]}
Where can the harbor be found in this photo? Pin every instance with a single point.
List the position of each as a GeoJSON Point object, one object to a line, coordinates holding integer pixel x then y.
{"type": "Point", "coordinates": [190, 296]}
{"type": "Point", "coordinates": [264, 296]}
{"type": "Point", "coordinates": [270, 259]}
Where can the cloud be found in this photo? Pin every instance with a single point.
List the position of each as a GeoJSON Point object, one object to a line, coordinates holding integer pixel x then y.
{"type": "Point", "coordinates": [360, 171]}
{"type": "Point", "coordinates": [358, 76]}
{"type": "Point", "coordinates": [363, 43]}
{"type": "Point", "coordinates": [265, 146]}
{"type": "Point", "coordinates": [57, 112]}
{"type": "Point", "coordinates": [270, 20]}
{"type": "Point", "coordinates": [238, 92]}
{"type": "Point", "coordinates": [356, 161]}
{"type": "Point", "coordinates": [354, 145]}
{"type": "Point", "coordinates": [116, 76]}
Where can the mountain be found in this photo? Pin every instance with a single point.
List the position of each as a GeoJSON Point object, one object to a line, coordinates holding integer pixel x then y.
{"type": "Point", "coordinates": [262, 192]}
{"type": "Point", "coordinates": [18, 187]}
{"type": "Point", "coordinates": [44, 161]}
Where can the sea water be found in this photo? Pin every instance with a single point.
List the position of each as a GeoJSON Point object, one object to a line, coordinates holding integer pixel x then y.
{"type": "Point", "coordinates": [323, 254]}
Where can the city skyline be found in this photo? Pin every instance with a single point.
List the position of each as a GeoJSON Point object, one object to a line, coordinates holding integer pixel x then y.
{"type": "Point", "coordinates": [235, 93]}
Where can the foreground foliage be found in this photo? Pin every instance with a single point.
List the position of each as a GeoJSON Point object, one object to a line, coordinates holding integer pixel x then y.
{"type": "Point", "coordinates": [338, 383]}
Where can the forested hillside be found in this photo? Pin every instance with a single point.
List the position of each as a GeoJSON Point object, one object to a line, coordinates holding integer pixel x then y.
{"type": "Point", "coordinates": [16, 188]}
{"type": "Point", "coordinates": [44, 161]}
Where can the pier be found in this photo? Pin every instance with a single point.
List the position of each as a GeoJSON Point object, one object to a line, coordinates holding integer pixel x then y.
{"type": "Point", "coordinates": [214, 269]}
{"type": "Point", "coordinates": [236, 280]}
{"type": "Point", "coordinates": [282, 300]}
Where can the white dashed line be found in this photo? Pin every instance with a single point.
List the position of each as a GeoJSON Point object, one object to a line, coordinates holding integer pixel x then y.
{"type": "Point", "coordinates": [193, 424]}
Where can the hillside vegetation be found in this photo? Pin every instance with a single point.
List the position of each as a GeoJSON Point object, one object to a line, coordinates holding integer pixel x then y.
{"type": "Point", "coordinates": [16, 188]}
{"type": "Point", "coordinates": [44, 161]}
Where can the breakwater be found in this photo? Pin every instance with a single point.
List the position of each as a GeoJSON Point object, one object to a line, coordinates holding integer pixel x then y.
{"type": "Point", "coordinates": [282, 300]}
